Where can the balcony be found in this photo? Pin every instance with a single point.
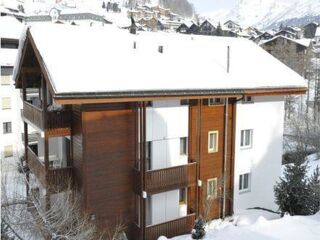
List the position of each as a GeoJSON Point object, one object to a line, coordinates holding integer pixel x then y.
{"type": "Point", "coordinates": [56, 179]}
{"type": "Point", "coordinates": [172, 228]}
{"type": "Point", "coordinates": [52, 120]}
{"type": "Point", "coordinates": [167, 179]}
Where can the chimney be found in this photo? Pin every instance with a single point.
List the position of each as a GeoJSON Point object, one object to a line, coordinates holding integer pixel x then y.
{"type": "Point", "coordinates": [160, 49]}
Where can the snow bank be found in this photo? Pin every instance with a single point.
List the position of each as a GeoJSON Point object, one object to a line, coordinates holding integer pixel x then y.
{"type": "Point", "coordinates": [84, 59]}
{"type": "Point", "coordinates": [288, 227]}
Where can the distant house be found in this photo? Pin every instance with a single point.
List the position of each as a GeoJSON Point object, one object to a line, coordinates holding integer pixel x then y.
{"type": "Point", "coordinates": [286, 33]}
{"type": "Point", "coordinates": [68, 15]}
{"type": "Point", "coordinates": [292, 52]}
{"type": "Point", "coordinates": [207, 28]}
{"type": "Point", "coordinates": [231, 25]}
{"type": "Point", "coordinates": [317, 35]}
{"type": "Point", "coordinates": [194, 29]}
{"type": "Point", "coordinates": [309, 30]}
{"type": "Point", "coordinates": [263, 36]}
{"type": "Point", "coordinates": [183, 28]}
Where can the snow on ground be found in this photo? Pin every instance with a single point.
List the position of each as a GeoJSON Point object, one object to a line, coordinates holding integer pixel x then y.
{"type": "Point", "coordinates": [262, 225]}
{"type": "Point", "coordinates": [313, 163]}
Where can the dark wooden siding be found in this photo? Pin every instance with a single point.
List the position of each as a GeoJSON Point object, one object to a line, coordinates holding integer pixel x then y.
{"type": "Point", "coordinates": [77, 150]}
{"type": "Point", "coordinates": [109, 145]}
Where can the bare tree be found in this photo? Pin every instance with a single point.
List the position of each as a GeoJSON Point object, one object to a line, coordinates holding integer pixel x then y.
{"type": "Point", "coordinates": [62, 220]}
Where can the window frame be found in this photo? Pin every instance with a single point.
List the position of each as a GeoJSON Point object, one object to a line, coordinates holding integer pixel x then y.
{"type": "Point", "coordinates": [242, 181]}
{"type": "Point", "coordinates": [214, 194]}
{"type": "Point", "coordinates": [3, 101]}
{"type": "Point", "coordinates": [184, 191]}
{"type": "Point", "coordinates": [246, 101]}
{"type": "Point", "coordinates": [213, 102]}
{"type": "Point", "coordinates": [5, 150]}
{"type": "Point", "coordinates": [6, 126]}
{"type": "Point", "coordinates": [215, 148]}
{"type": "Point", "coordinates": [185, 150]}
{"type": "Point", "coordinates": [243, 138]}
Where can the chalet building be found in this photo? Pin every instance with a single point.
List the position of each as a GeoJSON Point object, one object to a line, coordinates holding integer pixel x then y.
{"type": "Point", "coordinates": [292, 52]}
{"type": "Point", "coordinates": [67, 15]}
{"type": "Point", "coordinates": [231, 25]}
{"type": "Point", "coordinates": [310, 29]}
{"type": "Point", "coordinates": [286, 33]}
{"type": "Point", "coordinates": [152, 149]}
{"type": "Point", "coordinates": [263, 36]}
{"type": "Point", "coordinates": [207, 28]}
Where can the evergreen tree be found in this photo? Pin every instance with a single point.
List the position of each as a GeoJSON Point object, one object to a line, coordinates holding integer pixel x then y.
{"type": "Point", "coordinates": [219, 31]}
{"type": "Point", "coordinates": [198, 232]}
{"type": "Point", "coordinates": [314, 186]}
{"type": "Point", "coordinates": [292, 192]}
{"type": "Point", "coordinates": [103, 5]}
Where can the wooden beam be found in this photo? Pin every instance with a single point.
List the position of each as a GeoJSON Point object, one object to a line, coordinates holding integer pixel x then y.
{"type": "Point", "coordinates": [257, 92]}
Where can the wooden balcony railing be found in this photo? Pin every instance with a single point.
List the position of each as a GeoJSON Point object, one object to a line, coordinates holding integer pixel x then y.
{"type": "Point", "coordinates": [53, 119]}
{"type": "Point", "coordinates": [170, 229]}
{"type": "Point", "coordinates": [58, 179]}
{"type": "Point", "coordinates": [33, 114]}
{"type": "Point", "coordinates": [36, 167]}
{"type": "Point", "coordinates": [170, 178]}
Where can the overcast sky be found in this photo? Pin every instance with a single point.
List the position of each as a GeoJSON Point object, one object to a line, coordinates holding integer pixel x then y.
{"type": "Point", "coordinates": [204, 6]}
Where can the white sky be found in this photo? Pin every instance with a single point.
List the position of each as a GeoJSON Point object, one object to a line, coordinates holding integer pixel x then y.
{"type": "Point", "coordinates": [204, 6]}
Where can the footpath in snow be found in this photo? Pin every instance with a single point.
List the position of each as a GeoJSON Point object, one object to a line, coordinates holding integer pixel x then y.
{"type": "Point", "coordinates": [262, 225]}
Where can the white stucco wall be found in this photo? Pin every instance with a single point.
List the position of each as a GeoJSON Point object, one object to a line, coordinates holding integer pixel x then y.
{"type": "Point", "coordinates": [167, 122]}
{"type": "Point", "coordinates": [263, 160]}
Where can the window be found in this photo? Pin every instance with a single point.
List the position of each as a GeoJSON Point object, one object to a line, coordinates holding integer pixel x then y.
{"type": "Point", "coordinates": [212, 190]}
{"type": "Point", "coordinates": [6, 103]}
{"type": "Point", "coordinates": [247, 99]}
{"type": "Point", "coordinates": [5, 80]}
{"type": "Point", "coordinates": [246, 138]}
{"type": "Point", "coordinates": [182, 196]}
{"type": "Point", "coordinates": [148, 152]}
{"type": "Point", "coordinates": [8, 151]}
{"type": "Point", "coordinates": [213, 137]}
{"type": "Point", "coordinates": [183, 146]}
{"type": "Point", "coordinates": [215, 101]}
{"type": "Point", "coordinates": [184, 102]}
{"type": "Point", "coordinates": [7, 128]}
{"type": "Point", "coordinates": [244, 182]}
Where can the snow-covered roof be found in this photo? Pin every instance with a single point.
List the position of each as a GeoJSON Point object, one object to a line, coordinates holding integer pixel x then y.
{"type": "Point", "coordinates": [10, 27]}
{"type": "Point", "coordinates": [87, 60]}
{"type": "Point", "coordinates": [303, 41]}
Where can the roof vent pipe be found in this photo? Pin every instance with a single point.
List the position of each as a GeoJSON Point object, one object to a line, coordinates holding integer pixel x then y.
{"type": "Point", "coordinates": [134, 45]}
{"type": "Point", "coordinates": [228, 59]}
{"type": "Point", "coordinates": [160, 49]}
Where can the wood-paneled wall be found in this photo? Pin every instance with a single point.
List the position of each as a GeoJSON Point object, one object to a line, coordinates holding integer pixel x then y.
{"type": "Point", "coordinates": [211, 118]}
{"type": "Point", "coordinates": [109, 153]}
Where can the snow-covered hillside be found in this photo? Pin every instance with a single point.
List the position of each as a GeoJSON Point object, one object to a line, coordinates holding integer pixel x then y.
{"type": "Point", "coordinates": [269, 13]}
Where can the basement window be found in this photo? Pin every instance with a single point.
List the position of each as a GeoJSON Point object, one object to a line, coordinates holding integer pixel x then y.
{"type": "Point", "coordinates": [244, 182]}
{"type": "Point", "coordinates": [212, 188]}
{"type": "Point", "coordinates": [213, 138]}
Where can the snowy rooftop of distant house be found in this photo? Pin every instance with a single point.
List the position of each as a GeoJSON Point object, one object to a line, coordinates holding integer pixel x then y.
{"type": "Point", "coordinates": [303, 41]}
{"type": "Point", "coordinates": [10, 27]}
{"type": "Point", "coordinates": [81, 59]}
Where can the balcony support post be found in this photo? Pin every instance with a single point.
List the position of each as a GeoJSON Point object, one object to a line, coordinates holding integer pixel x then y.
{"type": "Point", "coordinates": [198, 136]}
{"type": "Point", "coordinates": [26, 143]}
{"type": "Point", "coordinates": [142, 134]}
{"type": "Point", "coordinates": [44, 101]}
